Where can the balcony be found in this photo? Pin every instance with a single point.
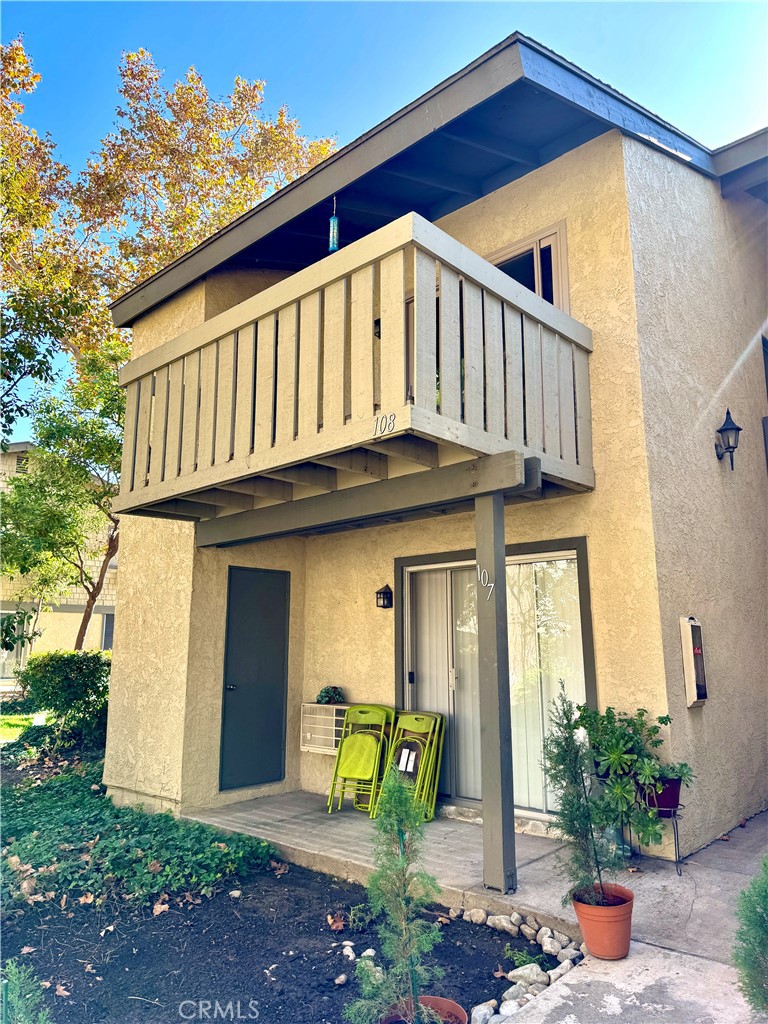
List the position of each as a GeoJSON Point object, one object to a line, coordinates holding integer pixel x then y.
{"type": "Point", "coordinates": [403, 352]}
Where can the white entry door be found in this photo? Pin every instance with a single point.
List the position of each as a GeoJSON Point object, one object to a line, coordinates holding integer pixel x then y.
{"type": "Point", "coordinates": [545, 646]}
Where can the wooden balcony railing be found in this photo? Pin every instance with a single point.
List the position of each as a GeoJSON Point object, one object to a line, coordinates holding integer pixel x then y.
{"type": "Point", "coordinates": [403, 332]}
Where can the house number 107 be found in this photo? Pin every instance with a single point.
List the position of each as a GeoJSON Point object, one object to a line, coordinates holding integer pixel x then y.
{"type": "Point", "coordinates": [485, 582]}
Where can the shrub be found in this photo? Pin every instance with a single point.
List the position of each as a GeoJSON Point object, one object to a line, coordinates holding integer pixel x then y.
{"type": "Point", "coordinates": [398, 893]}
{"type": "Point", "coordinates": [23, 996]}
{"type": "Point", "coordinates": [750, 951]}
{"type": "Point", "coordinates": [74, 685]}
{"type": "Point", "coordinates": [65, 837]}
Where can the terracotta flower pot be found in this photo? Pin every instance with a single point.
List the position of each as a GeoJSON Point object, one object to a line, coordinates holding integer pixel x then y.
{"type": "Point", "coordinates": [449, 1011]}
{"type": "Point", "coordinates": [607, 930]}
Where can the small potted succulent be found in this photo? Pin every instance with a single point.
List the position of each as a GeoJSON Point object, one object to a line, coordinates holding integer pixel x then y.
{"type": "Point", "coordinates": [398, 894]}
{"type": "Point", "coordinates": [603, 909]}
{"type": "Point", "coordinates": [661, 783]}
{"type": "Point", "coordinates": [330, 695]}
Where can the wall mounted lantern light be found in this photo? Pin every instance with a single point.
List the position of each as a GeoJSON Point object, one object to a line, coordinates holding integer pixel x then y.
{"type": "Point", "coordinates": [729, 438]}
{"type": "Point", "coordinates": [384, 597]}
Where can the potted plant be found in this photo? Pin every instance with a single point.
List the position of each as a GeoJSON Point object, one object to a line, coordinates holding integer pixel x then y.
{"type": "Point", "coordinates": [622, 744]}
{"type": "Point", "coordinates": [603, 909]}
{"type": "Point", "coordinates": [398, 893]}
{"type": "Point", "coordinates": [330, 695]}
{"type": "Point", "coordinates": [661, 784]}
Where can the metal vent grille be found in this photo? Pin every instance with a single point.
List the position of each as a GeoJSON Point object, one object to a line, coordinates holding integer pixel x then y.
{"type": "Point", "coordinates": [321, 726]}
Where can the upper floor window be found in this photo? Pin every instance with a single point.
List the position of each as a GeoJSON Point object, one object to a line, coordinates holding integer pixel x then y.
{"type": "Point", "coordinates": [538, 263]}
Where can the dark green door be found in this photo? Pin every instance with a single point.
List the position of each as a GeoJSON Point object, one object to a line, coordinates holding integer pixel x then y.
{"type": "Point", "coordinates": [255, 678]}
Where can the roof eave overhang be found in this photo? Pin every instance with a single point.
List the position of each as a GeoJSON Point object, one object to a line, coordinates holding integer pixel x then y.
{"type": "Point", "coordinates": [515, 59]}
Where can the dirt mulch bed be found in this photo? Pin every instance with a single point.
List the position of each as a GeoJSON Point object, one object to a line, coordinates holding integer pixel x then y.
{"type": "Point", "coordinates": [272, 945]}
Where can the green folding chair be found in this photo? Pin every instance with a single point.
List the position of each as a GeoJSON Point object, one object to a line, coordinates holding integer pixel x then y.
{"type": "Point", "coordinates": [359, 757]}
{"type": "Point", "coordinates": [416, 749]}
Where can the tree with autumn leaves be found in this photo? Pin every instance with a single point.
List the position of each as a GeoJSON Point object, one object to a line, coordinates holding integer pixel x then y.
{"type": "Point", "coordinates": [178, 165]}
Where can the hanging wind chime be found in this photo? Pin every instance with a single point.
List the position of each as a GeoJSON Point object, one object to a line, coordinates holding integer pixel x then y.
{"type": "Point", "coordinates": [333, 233]}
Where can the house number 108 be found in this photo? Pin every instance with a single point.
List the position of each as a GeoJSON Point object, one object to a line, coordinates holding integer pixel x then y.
{"type": "Point", "coordinates": [383, 424]}
{"type": "Point", "coordinates": [485, 582]}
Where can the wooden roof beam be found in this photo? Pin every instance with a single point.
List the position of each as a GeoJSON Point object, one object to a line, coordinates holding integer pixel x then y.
{"type": "Point", "coordinates": [415, 449]}
{"type": "Point", "coordinates": [447, 182]}
{"type": "Point", "coordinates": [307, 473]}
{"type": "Point", "coordinates": [358, 460]}
{"type": "Point", "coordinates": [492, 144]}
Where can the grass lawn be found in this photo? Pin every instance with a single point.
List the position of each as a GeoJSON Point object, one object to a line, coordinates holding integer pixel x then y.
{"type": "Point", "coordinates": [12, 725]}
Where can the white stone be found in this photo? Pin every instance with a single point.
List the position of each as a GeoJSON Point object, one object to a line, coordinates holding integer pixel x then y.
{"type": "Point", "coordinates": [557, 972]}
{"type": "Point", "coordinates": [349, 953]}
{"type": "Point", "coordinates": [536, 990]}
{"type": "Point", "coordinates": [529, 974]}
{"type": "Point", "coordinates": [235, 894]}
{"type": "Point", "coordinates": [562, 938]}
{"type": "Point", "coordinates": [531, 921]}
{"type": "Point", "coordinates": [508, 1007]}
{"type": "Point", "coordinates": [482, 1014]}
{"type": "Point", "coordinates": [544, 933]}
{"type": "Point", "coordinates": [341, 980]}
{"type": "Point", "coordinates": [551, 946]}
{"type": "Point", "coordinates": [347, 942]}
{"type": "Point", "coordinates": [529, 932]}
{"type": "Point", "coordinates": [455, 912]}
{"type": "Point", "coordinates": [583, 948]}
{"type": "Point", "coordinates": [478, 916]}
{"type": "Point", "coordinates": [516, 918]}
{"type": "Point", "coordinates": [368, 952]}
{"type": "Point", "coordinates": [514, 992]}
{"type": "Point", "coordinates": [568, 954]}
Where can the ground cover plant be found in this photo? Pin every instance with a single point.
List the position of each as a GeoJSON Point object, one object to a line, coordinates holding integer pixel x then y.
{"type": "Point", "coordinates": [65, 841]}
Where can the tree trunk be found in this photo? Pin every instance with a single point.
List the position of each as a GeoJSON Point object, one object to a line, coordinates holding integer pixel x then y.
{"type": "Point", "coordinates": [35, 620]}
{"type": "Point", "coordinates": [94, 591]}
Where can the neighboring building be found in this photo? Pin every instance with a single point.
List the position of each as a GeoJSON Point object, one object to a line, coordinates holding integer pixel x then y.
{"type": "Point", "coordinates": [545, 299]}
{"type": "Point", "coordinates": [60, 622]}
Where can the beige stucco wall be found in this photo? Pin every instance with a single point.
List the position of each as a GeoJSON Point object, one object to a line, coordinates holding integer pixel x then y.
{"type": "Point", "coordinates": [700, 283]}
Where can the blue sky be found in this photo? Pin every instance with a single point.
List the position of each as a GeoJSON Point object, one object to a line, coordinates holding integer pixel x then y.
{"type": "Point", "coordinates": [343, 67]}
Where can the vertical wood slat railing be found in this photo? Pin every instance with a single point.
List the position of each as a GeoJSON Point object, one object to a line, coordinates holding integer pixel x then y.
{"type": "Point", "coordinates": [405, 330]}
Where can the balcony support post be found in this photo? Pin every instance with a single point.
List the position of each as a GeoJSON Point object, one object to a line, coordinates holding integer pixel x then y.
{"type": "Point", "coordinates": [499, 866]}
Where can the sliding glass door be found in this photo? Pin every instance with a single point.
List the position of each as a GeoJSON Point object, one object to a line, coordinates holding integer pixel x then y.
{"type": "Point", "coordinates": [545, 646]}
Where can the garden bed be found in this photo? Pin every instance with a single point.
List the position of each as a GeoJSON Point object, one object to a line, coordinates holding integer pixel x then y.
{"type": "Point", "coordinates": [272, 944]}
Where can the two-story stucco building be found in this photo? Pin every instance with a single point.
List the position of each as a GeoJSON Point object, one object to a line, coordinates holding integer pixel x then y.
{"type": "Point", "coordinates": [513, 368]}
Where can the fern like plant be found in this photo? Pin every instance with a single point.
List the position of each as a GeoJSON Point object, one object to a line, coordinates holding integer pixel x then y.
{"type": "Point", "coordinates": [398, 894]}
{"type": "Point", "coordinates": [22, 998]}
{"type": "Point", "coordinates": [582, 813]}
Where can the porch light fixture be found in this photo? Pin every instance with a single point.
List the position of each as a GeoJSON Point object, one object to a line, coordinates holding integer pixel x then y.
{"type": "Point", "coordinates": [729, 438]}
{"type": "Point", "coordinates": [384, 597]}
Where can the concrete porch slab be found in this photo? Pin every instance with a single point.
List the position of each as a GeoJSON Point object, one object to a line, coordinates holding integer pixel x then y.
{"type": "Point", "coordinates": [651, 985]}
{"type": "Point", "coordinates": [693, 914]}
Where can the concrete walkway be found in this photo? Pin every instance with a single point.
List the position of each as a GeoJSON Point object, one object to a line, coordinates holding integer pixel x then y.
{"type": "Point", "coordinates": [678, 970]}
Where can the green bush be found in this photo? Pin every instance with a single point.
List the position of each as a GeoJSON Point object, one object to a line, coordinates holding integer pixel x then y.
{"type": "Point", "coordinates": [74, 685]}
{"type": "Point", "coordinates": [65, 837]}
{"type": "Point", "coordinates": [23, 996]}
{"type": "Point", "coordinates": [750, 951]}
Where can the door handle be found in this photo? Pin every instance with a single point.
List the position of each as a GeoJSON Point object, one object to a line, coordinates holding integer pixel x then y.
{"type": "Point", "coordinates": [228, 687]}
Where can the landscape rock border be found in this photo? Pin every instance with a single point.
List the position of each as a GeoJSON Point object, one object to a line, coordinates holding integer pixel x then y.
{"type": "Point", "coordinates": [529, 980]}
